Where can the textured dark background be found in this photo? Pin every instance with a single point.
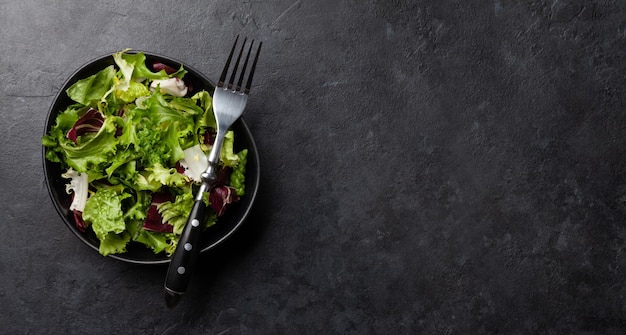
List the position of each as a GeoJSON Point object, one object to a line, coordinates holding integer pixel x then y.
{"type": "Point", "coordinates": [436, 167]}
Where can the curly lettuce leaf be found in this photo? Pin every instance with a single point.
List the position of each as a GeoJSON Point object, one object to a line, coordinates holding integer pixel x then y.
{"type": "Point", "coordinates": [135, 217]}
{"type": "Point", "coordinates": [114, 243]}
{"type": "Point", "coordinates": [165, 176]}
{"type": "Point", "coordinates": [103, 212]}
{"type": "Point", "coordinates": [238, 175]}
{"type": "Point", "coordinates": [176, 213]}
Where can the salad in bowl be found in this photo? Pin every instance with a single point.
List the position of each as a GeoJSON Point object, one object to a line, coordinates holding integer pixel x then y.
{"type": "Point", "coordinates": [125, 143]}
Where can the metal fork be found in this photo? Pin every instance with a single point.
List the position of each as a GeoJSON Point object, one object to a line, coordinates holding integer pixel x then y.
{"type": "Point", "coordinates": [229, 101]}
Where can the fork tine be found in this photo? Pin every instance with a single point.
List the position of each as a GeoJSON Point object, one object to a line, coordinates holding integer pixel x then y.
{"type": "Point", "coordinates": [256, 58]}
{"type": "Point", "coordinates": [234, 74]}
{"type": "Point", "coordinates": [230, 84]}
{"type": "Point", "coordinates": [227, 65]}
{"type": "Point", "coordinates": [245, 66]}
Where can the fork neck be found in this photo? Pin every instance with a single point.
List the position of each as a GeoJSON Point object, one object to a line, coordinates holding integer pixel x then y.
{"type": "Point", "coordinates": [214, 155]}
{"type": "Point", "coordinates": [209, 177]}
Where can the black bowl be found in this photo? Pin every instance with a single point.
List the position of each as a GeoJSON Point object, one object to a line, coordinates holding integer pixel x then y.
{"type": "Point", "coordinates": [136, 253]}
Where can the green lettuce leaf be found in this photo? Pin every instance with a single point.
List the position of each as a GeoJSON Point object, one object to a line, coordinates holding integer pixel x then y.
{"type": "Point", "coordinates": [204, 100]}
{"type": "Point", "coordinates": [158, 242]}
{"type": "Point", "coordinates": [103, 212]}
{"type": "Point", "coordinates": [161, 112]}
{"type": "Point", "coordinates": [132, 92]}
{"type": "Point", "coordinates": [165, 176]}
{"type": "Point", "coordinates": [140, 70]}
{"type": "Point", "coordinates": [90, 90]}
{"type": "Point", "coordinates": [114, 243]}
{"type": "Point", "coordinates": [173, 243]}
{"type": "Point", "coordinates": [176, 213]}
{"type": "Point", "coordinates": [186, 106]}
{"type": "Point", "coordinates": [126, 70]}
{"type": "Point", "coordinates": [238, 175]}
{"type": "Point", "coordinates": [91, 150]}
{"type": "Point", "coordinates": [138, 211]}
{"type": "Point", "coordinates": [57, 134]}
{"type": "Point", "coordinates": [227, 156]}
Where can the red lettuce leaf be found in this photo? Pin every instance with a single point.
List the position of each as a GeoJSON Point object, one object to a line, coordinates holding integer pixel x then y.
{"type": "Point", "coordinates": [169, 70]}
{"type": "Point", "coordinates": [90, 122]}
{"type": "Point", "coordinates": [160, 66]}
{"type": "Point", "coordinates": [78, 221]}
{"type": "Point", "coordinates": [154, 220]}
{"type": "Point", "coordinates": [209, 136]}
{"type": "Point", "coordinates": [220, 197]}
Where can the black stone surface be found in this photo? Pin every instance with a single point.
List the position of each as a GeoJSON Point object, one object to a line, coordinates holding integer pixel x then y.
{"type": "Point", "coordinates": [434, 167]}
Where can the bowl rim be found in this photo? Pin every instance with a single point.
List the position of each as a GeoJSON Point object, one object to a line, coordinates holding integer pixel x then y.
{"type": "Point", "coordinates": [251, 146]}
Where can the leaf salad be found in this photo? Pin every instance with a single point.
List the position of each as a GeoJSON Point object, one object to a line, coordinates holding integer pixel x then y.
{"type": "Point", "coordinates": [133, 145]}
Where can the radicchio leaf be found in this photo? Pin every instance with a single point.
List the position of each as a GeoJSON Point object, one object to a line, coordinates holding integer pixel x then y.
{"type": "Point", "coordinates": [223, 175]}
{"type": "Point", "coordinates": [78, 221]}
{"type": "Point", "coordinates": [209, 136]}
{"type": "Point", "coordinates": [179, 168]}
{"type": "Point", "coordinates": [90, 122]}
{"type": "Point", "coordinates": [160, 66]}
{"type": "Point", "coordinates": [169, 70]}
{"type": "Point", "coordinates": [220, 197]}
{"type": "Point", "coordinates": [154, 220]}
